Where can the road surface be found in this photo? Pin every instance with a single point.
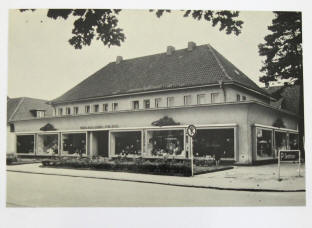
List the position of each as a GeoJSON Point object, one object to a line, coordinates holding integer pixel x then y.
{"type": "Point", "coordinates": [38, 190]}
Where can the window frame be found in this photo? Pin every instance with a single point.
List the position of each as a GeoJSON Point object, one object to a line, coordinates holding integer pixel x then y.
{"type": "Point", "coordinates": [168, 101]}
{"type": "Point", "coordinates": [87, 107]}
{"type": "Point", "coordinates": [213, 97]}
{"type": "Point", "coordinates": [135, 105]}
{"type": "Point", "coordinates": [157, 102]}
{"type": "Point", "coordinates": [185, 99]}
{"type": "Point", "coordinates": [115, 106]}
{"type": "Point", "coordinates": [75, 110]}
{"type": "Point", "coordinates": [198, 98]}
{"type": "Point", "coordinates": [96, 108]}
{"type": "Point", "coordinates": [145, 102]}
{"type": "Point", "coordinates": [68, 111]}
{"type": "Point", "coordinates": [105, 107]}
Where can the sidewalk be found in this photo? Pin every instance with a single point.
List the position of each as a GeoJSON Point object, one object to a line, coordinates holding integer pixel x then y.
{"type": "Point", "coordinates": [241, 178]}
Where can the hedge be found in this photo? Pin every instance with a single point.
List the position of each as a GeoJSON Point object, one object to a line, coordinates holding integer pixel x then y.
{"type": "Point", "coordinates": [163, 166]}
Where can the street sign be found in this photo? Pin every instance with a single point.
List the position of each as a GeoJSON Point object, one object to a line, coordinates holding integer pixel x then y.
{"type": "Point", "coordinates": [191, 130]}
{"type": "Point", "coordinates": [287, 156]}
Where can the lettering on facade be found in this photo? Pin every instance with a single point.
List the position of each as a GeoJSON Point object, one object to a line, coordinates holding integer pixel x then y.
{"type": "Point", "coordinates": [100, 126]}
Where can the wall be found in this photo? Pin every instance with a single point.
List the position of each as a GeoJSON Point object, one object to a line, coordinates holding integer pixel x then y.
{"type": "Point", "coordinates": [11, 141]}
{"type": "Point", "coordinates": [125, 103]}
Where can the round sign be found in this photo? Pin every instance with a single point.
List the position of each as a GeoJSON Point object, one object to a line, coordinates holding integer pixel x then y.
{"type": "Point", "coordinates": [191, 130]}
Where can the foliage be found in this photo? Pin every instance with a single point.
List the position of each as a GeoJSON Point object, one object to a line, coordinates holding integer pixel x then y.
{"type": "Point", "coordinates": [279, 123]}
{"type": "Point", "coordinates": [161, 166]}
{"type": "Point", "coordinates": [165, 121]}
{"type": "Point", "coordinates": [10, 158]}
{"type": "Point", "coordinates": [283, 49]}
{"type": "Point", "coordinates": [102, 24]}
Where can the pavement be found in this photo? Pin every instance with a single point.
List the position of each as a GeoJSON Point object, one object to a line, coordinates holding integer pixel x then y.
{"type": "Point", "coordinates": [240, 178]}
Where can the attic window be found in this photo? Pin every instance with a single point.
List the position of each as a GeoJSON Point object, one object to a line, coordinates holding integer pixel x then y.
{"type": "Point", "coordinates": [39, 114]}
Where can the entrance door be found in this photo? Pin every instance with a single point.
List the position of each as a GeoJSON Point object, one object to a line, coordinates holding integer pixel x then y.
{"type": "Point", "coordinates": [101, 140]}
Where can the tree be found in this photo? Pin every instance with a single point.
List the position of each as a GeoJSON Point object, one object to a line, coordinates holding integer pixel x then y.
{"type": "Point", "coordinates": [283, 56]}
{"type": "Point", "coordinates": [102, 24]}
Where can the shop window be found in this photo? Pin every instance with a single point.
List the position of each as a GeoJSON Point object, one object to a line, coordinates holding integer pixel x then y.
{"type": "Point", "coordinates": [47, 144]}
{"type": "Point", "coordinates": [157, 102]}
{"type": "Point", "coordinates": [76, 110]}
{"type": "Point", "coordinates": [264, 143]}
{"type": "Point", "coordinates": [60, 111]}
{"type": "Point", "coordinates": [165, 142]}
{"type": "Point", "coordinates": [147, 104]}
{"type": "Point", "coordinates": [280, 141]}
{"type": "Point", "coordinates": [67, 111]}
{"type": "Point", "coordinates": [25, 144]}
{"type": "Point", "coordinates": [170, 101]}
{"type": "Point", "coordinates": [201, 99]}
{"type": "Point", "coordinates": [293, 141]}
{"type": "Point", "coordinates": [74, 144]}
{"type": "Point", "coordinates": [238, 97]}
{"type": "Point", "coordinates": [187, 100]}
{"type": "Point", "coordinates": [40, 114]}
{"type": "Point", "coordinates": [105, 107]}
{"type": "Point", "coordinates": [127, 143]}
{"type": "Point", "coordinates": [96, 108]}
{"type": "Point", "coordinates": [135, 105]}
{"type": "Point", "coordinates": [211, 143]}
{"type": "Point", "coordinates": [87, 109]}
{"type": "Point", "coordinates": [115, 106]}
{"type": "Point", "coordinates": [214, 97]}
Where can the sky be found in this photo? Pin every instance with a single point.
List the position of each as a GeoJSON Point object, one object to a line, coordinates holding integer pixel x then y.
{"type": "Point", "coordinates": [42, 64]}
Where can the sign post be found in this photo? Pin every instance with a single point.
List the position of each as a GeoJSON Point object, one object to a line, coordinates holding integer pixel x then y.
{"type": "Point", "coordinates": [288, 156]}
{"type": "Point", "coordinates": [191, 131]}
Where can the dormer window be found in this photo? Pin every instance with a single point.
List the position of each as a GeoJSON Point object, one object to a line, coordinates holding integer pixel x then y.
{"type": "Point", "coordinates": [39, 114]}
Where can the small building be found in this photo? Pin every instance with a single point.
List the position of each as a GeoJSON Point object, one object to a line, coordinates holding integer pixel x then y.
{"type": "Point", "coordinates": [142, 107]}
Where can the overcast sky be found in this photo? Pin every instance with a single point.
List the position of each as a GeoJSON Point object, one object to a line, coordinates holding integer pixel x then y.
{"type": "Point", "coordinates": [42, 64]}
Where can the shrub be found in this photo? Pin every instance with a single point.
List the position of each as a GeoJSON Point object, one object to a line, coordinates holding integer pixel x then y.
{"type": "Point", "coordinates": [10, 158]}
{"type": "Point", "coordinates": [142, 165]}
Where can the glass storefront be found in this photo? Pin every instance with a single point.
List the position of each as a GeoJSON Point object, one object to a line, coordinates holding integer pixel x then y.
{"type": "Point", "coordinates": [47, 144]}
{"type": "Point", "coordinates": [127, 143]}
{"type": "Point", "coordinates": [25, 144]}
{"type": "Point", "coordinates": [293, 141]}
{"type": "Point", "coordinates": [165, 142]}
{"type": "Point", "coordinates": [264, 143]}
{"type": "Point", "coordinates": [211, 143]}
{"type": "Point", "coordinates": [280, 141]}
{"type": "Point", "coordinates": [74, 144]}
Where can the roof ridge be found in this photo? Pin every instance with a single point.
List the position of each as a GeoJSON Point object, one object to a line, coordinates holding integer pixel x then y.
{"type": "Point", "coordinates": [219, 62]}
{"type": "Point", "coordinates": [17, 107]}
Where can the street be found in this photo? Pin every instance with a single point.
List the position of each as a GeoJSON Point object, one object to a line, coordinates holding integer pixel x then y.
{"type": "Point", "coordinates": [38, 190]}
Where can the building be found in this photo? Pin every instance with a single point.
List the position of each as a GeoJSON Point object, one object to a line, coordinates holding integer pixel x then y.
{"type": "Point", "coordinates": [118, 110]}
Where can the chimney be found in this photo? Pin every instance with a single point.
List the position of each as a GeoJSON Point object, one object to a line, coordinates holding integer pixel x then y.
{"type": "Point", "coordinates": [191, 46]}
{"type": "Point", "coordinates": [118, 59]}
{"type": "Point", "coordinates": [170, 50]}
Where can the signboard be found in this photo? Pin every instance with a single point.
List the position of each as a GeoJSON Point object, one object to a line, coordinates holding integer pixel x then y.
{"type": "Point", "coordinates": [287, 156]}
{"type": "Point", "coordinates": [191, 130]}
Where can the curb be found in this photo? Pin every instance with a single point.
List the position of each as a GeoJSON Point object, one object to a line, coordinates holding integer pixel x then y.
{"type": "Point", "coordinates": [164, 183]}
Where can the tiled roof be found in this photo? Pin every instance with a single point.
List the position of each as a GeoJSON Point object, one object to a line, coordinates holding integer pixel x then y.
{"type": "Point", "coordinates": [21, 108]}
{"type": "Point", "coordinates": [287, 98]}
{"type": "Point", "coordinates": [201, 66]}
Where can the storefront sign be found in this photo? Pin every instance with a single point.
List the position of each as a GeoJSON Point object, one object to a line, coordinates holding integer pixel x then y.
{"type": "Point", "coordinates": [99, 126]}
{"type": "Point", "coordinates": [289, 155]}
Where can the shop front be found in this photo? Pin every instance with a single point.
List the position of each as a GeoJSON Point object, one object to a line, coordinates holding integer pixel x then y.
{"type": "Point", "coordinates": [125, 143]}
{"type": "Point", "coordinates": [47, 144]}
{"type": "Point", "coordinates": [25, 144]}
{"type": "Point", "coordinates": [74, 144]}
{"type": "Point", "coordinates": [269, 140]}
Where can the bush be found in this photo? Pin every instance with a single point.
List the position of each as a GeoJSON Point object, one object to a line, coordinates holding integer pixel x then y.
{"type": "Point", "coordinates": [10, 158]}
{"type": "Point", "coordinates": [142, 165]}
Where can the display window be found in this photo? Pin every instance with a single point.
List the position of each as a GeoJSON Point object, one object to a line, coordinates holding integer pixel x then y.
{"type": "Point", "coordinates": [264, 143]}
{"type": "Point", "coordinates": [293, 141]}
{"type": "Point", "coordinates": [165, 142]}
{"type": "Point", "coordinates": [280, 141]}
{"type": "Point", "coordinates": [214, 143]}
{"type": "Point", "coordinates": [74, 144]}
{"type": "Point", "coordinates": [25, 144]}
{"type": "Point", "coordinates": [47, 144]}
{"type": "Point", "coordinates": [127, 143]}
